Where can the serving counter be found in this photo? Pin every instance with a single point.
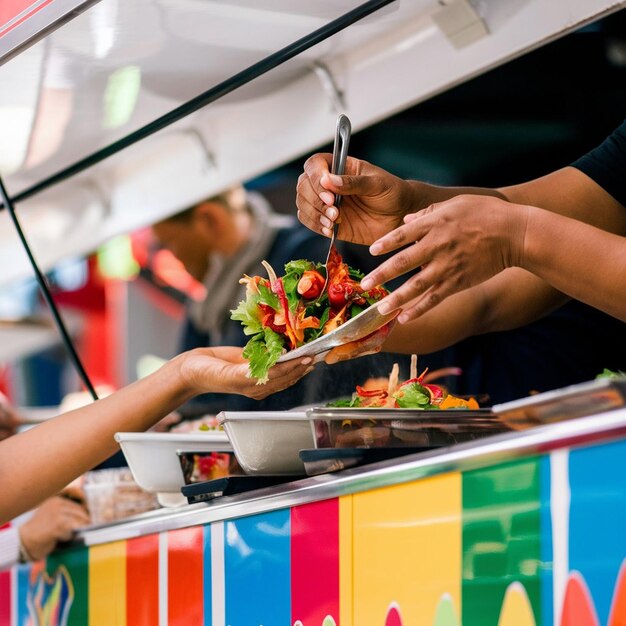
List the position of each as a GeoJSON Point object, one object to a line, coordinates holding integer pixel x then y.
{"type": "Point", "coordinates": [514, 530]}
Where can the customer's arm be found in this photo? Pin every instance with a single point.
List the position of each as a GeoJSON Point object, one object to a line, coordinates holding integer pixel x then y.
{"type": "Point", "coordinates": [38, 463]}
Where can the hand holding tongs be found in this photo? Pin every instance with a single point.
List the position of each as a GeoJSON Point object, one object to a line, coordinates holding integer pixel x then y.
{"type": "Point", "coordinates": [338, 166]}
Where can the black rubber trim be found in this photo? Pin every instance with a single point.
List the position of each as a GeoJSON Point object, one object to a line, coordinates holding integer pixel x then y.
{"type": "Point", "coordinates": [41, 279]}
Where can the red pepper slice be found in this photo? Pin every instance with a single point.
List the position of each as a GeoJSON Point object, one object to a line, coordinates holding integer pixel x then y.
{"type": "Point", "coordinates": [279, 290]}
{"type": "Point", "coordinates": [365, 393]}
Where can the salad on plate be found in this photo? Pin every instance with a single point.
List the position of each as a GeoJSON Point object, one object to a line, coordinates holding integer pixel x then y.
{"type": "Point", "coordinates": [284, 313]}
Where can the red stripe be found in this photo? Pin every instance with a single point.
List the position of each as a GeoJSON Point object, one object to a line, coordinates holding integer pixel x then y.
{"type": "Point", "coordinates": [5, 598]}
{"type": "Point", "coordinates": [315, 562]}
{"type": "Point", "coordinates": [142, 581]}
{"type": "Point", "coordinates": [185, 577]}
{"type": "Point", "coordinates": [12, 10]}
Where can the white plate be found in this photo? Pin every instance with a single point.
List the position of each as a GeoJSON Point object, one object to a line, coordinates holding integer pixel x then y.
{"type": "Point", "coordinates": [268, 442]}
{"type": "Point", "coordinates": [153, 460]}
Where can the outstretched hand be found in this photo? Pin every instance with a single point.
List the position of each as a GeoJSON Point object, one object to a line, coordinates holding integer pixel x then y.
{"type": "Point", "coordinates": [224, 370]}
{"type": "Point", "coordinates": [457, 244]}
{"type": "Point", "coordinates": [374, 201]}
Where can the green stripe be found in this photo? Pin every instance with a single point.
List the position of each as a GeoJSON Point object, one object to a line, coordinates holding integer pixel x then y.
{"type": "Point", "coordinates": [501, 538]}
{"type": "Point", "coordinates": [76, 561]}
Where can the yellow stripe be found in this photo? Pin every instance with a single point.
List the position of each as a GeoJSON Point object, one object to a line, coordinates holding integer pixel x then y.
{"type": "Point", "coordinates": [407, 550]}
{"type": "Point", "coordinates": [107, 584]}
{"type": "Point", "coordinates": [345, 561]}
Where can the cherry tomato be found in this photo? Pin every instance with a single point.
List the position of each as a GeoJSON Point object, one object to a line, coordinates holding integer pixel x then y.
{"type": "Point", "coordinates": [310, 285]}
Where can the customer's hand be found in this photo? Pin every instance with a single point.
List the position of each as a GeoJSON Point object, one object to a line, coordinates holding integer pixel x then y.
{"type": "Point", "coordinates": [224, 370]}
{"type": "Point", "coordinates": [9, 418]}
{"type": "Point", "coordinates": [457, 244]}
{"type": "Point", "coordinates": [374, 201]}
{"type": "Point", "coordinates": [55, 520]}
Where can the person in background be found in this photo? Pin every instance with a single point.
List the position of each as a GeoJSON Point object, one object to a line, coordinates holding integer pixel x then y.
{"type": "Point", "coordinates": [34, 535]}
{"type": "Point", "coordinates": [69, 445]}
{"type": "Point", "coordinates": [492, 260]}
{"type": "Point", "coordinates": [219, 240]}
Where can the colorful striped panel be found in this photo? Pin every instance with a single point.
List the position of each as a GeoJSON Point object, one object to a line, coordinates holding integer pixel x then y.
{"type": "Point", "coordinates": [22, 578]}
{"type": "Point", "coordinates": [597, 538]}
{"type": "Point", "coordinates": [185, 596]}
{"type": "Point", "coordinates": [207, 576]}
{"type": "Point", "coordinates": [501, 539]}
{"type": "Point", "coordinates": [346, 582]}
{"type": "Point", "coordinates": [315, 562]}
{"type": "Point", "coordinates": [257, 570]}
{"type": "Point", "coordinates": [142, 580]}
{"type": "Point", "coordinates": [107, 584]}
{"type": "Point", "coordinates": [76, 564]}
{"type": "Point", "coordinates": [407, 551]}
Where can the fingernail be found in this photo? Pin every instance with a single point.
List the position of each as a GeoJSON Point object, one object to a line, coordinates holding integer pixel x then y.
{"type": "Point", "coordinates": [337, 181]}
{"type": "Point", "coordinates": [384, 308]}
{"type": "Point", "coordinates": [367, 283]}
{"type": "Point", "coordinates": [403, 318]}
{"type": "Point", "coordinates": [326, 232]}
{"type": "Point", "coordinates": [306, 360]}
{"type": "Point", "coordinates": [327, 198]}
{"type": "Point", "coordinates": [331, 213]}
{"type": "Point", "coordinates": [376, 248]}
{"type": "Point", "coordinates": [326, 222]}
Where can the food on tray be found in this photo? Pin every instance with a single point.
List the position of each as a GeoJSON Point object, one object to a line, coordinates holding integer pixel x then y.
{"type": "Point", "coordinates": [201, 466]}
{"type": "Point", "coordinates": [414, 393]}
{"type": "Point", "coordinates": [206, 423]}
{"type": "Point", "coordinates": [285, 313]}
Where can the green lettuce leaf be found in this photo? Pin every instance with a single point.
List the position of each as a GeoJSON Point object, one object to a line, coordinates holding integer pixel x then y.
{"type": "Point", "coordinates": [263, 350]}
{"type": "Point", "coordinates": [607, 373]}
{"type": "Point", "coordinates": [248, 314]}
{"type": "Point", "coordinates": [413, 396]}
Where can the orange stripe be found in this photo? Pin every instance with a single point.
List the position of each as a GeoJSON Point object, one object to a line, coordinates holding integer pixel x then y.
{"type": "Point", "coordinates": [142, 581]}
{"type": "Point", "coordinates": [185, 577]}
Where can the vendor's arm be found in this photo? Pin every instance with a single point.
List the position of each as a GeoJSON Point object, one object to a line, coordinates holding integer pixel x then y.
{"type": "Point", "coordinates": [509, 300]}
{"type": "Point", "coordinates": [38, 463]}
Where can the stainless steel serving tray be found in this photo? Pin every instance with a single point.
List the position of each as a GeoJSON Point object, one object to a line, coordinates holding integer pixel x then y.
{"type": "Point", "coordinates": [373, 428]}
{"type": "Point", "coordinates": [583, 399]}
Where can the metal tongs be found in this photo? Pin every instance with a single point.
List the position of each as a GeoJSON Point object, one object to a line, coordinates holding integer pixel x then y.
{"type": "Point", "coordinates": [338, 166]}
{"type": "Point", "coordinates": [366, 322]}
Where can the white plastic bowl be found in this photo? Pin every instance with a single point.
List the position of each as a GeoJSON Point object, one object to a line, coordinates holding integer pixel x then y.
{"type": "Point", "coordinates": [153, 460]}
{"type": "Point", "coordinates": [268, 442]}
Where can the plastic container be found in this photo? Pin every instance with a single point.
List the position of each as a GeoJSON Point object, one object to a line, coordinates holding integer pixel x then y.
{"type": "Point", "coordinates": [112, 494]}
{"type": "Point", "coordinates": [397, 428]}
{"type": "Point", "coordinates": [268, 442]}
{"type": "Point", "coordinates": [203, 466]}
{"type": "Point", "coordinates": [153, 460]}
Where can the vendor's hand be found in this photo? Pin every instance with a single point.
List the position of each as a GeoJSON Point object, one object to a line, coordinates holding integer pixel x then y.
{"type": "Point", "coordinates": [457, 244]}
{"type": "Point", "coordinates": [374, 201]}
{"type": "Point", "coordinates": [224, 370]}
{"type": "Point", "coordinates": [55, 520]}
{"type": "Point", "coordinates": [9, 418]}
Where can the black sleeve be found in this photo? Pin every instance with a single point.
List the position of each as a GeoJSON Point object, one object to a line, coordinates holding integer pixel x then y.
{"type": "Point", "coordinates": [606, 164]}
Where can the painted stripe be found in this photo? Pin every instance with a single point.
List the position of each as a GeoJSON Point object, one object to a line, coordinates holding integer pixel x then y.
{"type": "Point", "coordinates": [163, 575]}
{"type": "Point", "coordinates": [142, 577]}
{"type": "Point", "coordinates": [407, 550]}
{"type": "Point", "coordinates": [184, 572]}
{"type": "Point", "coordinates": [257, 570]}
{"type": "Point", "coordinates": [218, 590]}
{"type": "Point", "coordinates": [597, 532]}
{"type": "Point", "coordinates": [346, 582]}
{"type": "Point", "coordinates": [107, 584]}
{"type": "Point", "coordinates": [20, 594]}
{"type": "Point", "coordinates": [75, 562]}
{"type": "Point", "coordinates": [15, 21]}
{"type": "Point", "coordinates": [502, 536]}
{"type": "Point", "coordinates": [5, 598]}
{"type": "Point", "coordinates": [559, 507]}
{"type": "Point", "coordinates": [207, 584]}
{"type": "Point", "coordinates": [315, 562]}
